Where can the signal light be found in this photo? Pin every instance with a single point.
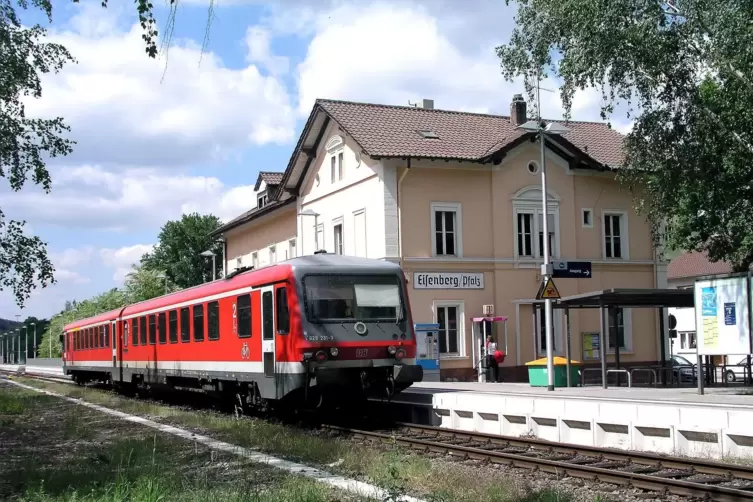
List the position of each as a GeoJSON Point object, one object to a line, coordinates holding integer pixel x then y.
{"type": "Point", "coordinates": [333, 351]}
{"type": "Point", "coordinates": [400, 354]}
{"type": "Point", "coordinates": [321, 356]}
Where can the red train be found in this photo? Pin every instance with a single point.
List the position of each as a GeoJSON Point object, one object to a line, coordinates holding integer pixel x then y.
{"type": "Point", "coordinates": [308, 330]}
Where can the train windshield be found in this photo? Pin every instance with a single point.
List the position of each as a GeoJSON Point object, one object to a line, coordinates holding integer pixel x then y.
{"type": "Point", "coordinates": [356, 297]}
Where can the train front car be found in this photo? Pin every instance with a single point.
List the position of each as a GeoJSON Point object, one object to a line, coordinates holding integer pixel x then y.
{"type": "Point", "coordinates": [357, 337]}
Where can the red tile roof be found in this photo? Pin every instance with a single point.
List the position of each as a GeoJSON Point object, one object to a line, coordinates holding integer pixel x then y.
{"type": "Point", "coordinates": [392, 131]}
{"type": "Point", "coordinates": [268, 177]}
{"type": "Point", "coordinates": [695, 264]}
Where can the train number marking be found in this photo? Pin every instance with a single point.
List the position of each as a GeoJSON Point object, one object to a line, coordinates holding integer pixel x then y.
{"type": "Point", "coordinates": [362, 352]}
{"type": "Point", "coordinates": [245, 351]}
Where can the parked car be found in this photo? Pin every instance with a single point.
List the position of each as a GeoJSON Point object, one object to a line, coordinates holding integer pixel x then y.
{"type": "Point", "coordinates": [684, 371]}
{"type": "Point", "coordinates": [736, 373]}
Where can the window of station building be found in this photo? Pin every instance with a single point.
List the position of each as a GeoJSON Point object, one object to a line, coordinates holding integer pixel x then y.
{"type": "Point", "coordinates": [162, 327]}
{"type": "Point", "coordinates": [615, 235]}
{"type": "Point", "coordinates": [107, 335]}
{"type": "Point", "coordinates": [142, 330]}
{"type": "Point", "coordinates": [283, 314]}
{"type": "Point", "coordinates": [173, 319]}
{"type": "Point", "coordinates": [446, 232]}
{"type": "Point", "coordinates": [152, 329]}
{"type": "Point", "coordinates": [243, 311]}
{"type": "Point", "coordinates": [198, 323]}
{"type": "Point", "coordinates": [135, 331]}
{"type": "Point", "coordinates": [185, 325]}
{"type": "Point", "coordinates": [213, 320]}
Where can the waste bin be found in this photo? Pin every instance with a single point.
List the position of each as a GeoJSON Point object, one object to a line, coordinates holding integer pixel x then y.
{"type": "Point", "coordinates": [538, 377]}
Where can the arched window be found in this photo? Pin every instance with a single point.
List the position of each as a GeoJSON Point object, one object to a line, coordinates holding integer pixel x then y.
{"type": "Point", "coordinates": [529, 223]}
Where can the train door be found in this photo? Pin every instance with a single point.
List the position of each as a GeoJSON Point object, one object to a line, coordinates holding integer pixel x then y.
{"type": "Point", "coordinates": [115, 348]}
{"type": "Point", "coordinates": [268, 331]}
{"type": "Point", "coordinates": [122, 346]}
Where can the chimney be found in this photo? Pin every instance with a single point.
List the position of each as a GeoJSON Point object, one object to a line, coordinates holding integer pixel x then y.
{"type": "Point", "coordinates": [518, 110]}
{"type": "Point", "coordinates": [427, 104]}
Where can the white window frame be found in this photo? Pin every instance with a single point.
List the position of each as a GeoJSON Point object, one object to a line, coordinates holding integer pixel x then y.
{"type": "Point", "coordinates": [291, 248]}
{"type": "Point", "coordinates": [627, 318]}
{"type": "Point", "coordinates": [272, 254]}
{"type": "Point", "coordinates": [255, 259]}
{"type": "Point", "coordinates": [340, 161]}
{"type": "Point", "coordinates": [365, 233]}
{"type": "Point", "coordinates": [262, 199]}
{"type": "Point", "coordinates": [526, 204]}
{"type": "Point", "coordinates": [462, 338]}
{"type": "Point", "coordinates": [451, 207]}
{"type": "Point", "coordinates": [319, 238]}
{"type": "Point", "coordinates": [557, 331]}
{"type": "Point", "coordinates": [624, 234]}
{"type": "Point", "coordinates": [582, 214]}
{"type": "Point", "coordinates": [333, 168]}
{"type": "Point", "coordinates": [335, 223]}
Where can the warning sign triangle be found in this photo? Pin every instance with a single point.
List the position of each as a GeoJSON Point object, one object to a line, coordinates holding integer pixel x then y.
{"type": "Point", "coordinates": [548, 291]}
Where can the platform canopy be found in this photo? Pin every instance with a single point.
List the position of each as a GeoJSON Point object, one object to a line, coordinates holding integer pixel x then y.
{"type": "Point", "coordinates": [630, 298]}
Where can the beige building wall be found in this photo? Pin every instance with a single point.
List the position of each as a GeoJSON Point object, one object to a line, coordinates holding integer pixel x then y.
{"type": "Point", "coordinates": [486, 201]}
{"type": "Point", "coordinates": [267, 240]}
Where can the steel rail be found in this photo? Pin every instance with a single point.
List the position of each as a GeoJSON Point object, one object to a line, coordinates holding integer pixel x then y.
{"type": "Point", "coordinates": [640, 477]}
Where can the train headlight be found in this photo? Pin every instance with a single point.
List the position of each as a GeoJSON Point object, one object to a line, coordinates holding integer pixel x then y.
{"type": "Point", "coordinates": [321, 356]}
{"type": "Point", "coordinates": [400, 354]}
{"type": "Point", "coordinates": [333, 351]}
{"type": "Point", "coordinates": [391, 349]}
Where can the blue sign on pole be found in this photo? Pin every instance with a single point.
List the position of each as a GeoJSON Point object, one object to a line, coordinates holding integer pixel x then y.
{"type": "Point", "coordinates": [730, 317]}
{"type": "Point", "coordinates": [571, 269]}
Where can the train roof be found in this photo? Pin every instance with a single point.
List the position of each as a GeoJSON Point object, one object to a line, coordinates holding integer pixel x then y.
{"type": "Point", "coordinates": [271, 273]}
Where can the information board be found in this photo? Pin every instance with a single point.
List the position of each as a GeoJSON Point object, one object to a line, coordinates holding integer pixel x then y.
{"type": "Point", "coordinates": [591, 346]}
{"type": "Point", "coordinates": [722, 321]}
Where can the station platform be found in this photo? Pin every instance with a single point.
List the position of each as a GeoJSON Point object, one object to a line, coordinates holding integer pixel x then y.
{"type": "Point", "coordinates": [663, 420]}
{"type": "Point", "coordinates": [674, 421]}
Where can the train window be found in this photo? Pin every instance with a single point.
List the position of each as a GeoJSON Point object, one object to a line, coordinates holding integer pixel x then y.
{"type": "Point", "coordinates": [102, 338]}
{"type": "Point", "coordinates": [124, 328]}
{"type": "Point", "coordinates": [107, 335]}
{"type": "Point", "coordinates": [75, 341]}
{"type": "Point", "coordinates": [198, 323]}
{"type": "Point", "coordinates": [185, 325]}
{"type": "Point", "coordinates": [135, 331]}
{"type": "Point", "coordinates": [283, 314]}
{"type": "Point", "coordinates": [173, 319]}
{"type": "Point", "coordinates": [86, 339]}
{"type": "Point", "coordinates": [142, 330]}
{"type": "Point", "coordinates": [213, 320]}
{"type": "Point", "coordinates": [162, 328]}
{"type": "Point", "coordinates": [267, 312]}
{"type": "Point", "coordinates": [152, 330]}
{"type": "Point", "coordinates": [94, 335]}
{"type": "Point", "coordinates": [243, 311]}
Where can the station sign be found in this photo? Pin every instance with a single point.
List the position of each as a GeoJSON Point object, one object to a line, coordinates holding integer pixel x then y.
{"type": "Point", "coordinates": [448, 280]}
{"type": "Point", "coordinates": [562, 269]}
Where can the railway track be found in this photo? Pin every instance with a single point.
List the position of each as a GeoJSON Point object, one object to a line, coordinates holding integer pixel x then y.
{"type": "Point", "coordinates": [657, 473]}
{"type": "Point", "coordinates": [676, 475]}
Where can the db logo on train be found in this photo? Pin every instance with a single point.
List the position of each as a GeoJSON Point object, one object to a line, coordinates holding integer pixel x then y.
{"type": "Point", "coordinates": [362, 352]}
{"type": "Point", "coordinates": [245, 351]}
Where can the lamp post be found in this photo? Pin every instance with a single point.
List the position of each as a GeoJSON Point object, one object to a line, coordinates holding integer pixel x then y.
{"type": "Point", "coordinates": [34, 347]}
{"type": "Point", "coordinates": [25, 327]}
{"type": "Point", "coordinates": [207, 254]}
{"type": "Point", "coordinates": [18, 337]}
{"type": "Point", "coordinates": [542, 128]}
{"type": "Point", "coordinates": [311, 212]}
{"type": "Point", "coordinates": [163, 276]}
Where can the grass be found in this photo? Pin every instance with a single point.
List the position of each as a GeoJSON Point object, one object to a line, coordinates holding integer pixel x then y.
{"type": "Point", "coordinates": [393, 468]}
{"type": "Point", "coordinates": [58, 451]}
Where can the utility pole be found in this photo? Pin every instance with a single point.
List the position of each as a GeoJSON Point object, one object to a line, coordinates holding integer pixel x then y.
{"type": "Point", "coordinates": [542, 129]}
{"type": "Point", "coordinates": [34, 347]}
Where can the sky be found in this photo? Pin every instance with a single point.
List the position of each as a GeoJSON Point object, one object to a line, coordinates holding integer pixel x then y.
{"type": "Point", "coordinates": [190, 130]}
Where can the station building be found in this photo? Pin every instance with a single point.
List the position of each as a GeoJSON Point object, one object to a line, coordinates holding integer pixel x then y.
{"type": "Point", "coordinates": [455, 199]}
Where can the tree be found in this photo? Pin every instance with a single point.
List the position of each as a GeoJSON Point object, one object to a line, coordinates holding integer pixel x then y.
{"type": "Point", "coordinates": [26, 142]}
{"type": "Point", "coordinates": [145, 283]}
{"type": "Point", "coordinates": [179, 248]}
{"type": "Point", "coordinates": [685, 71]}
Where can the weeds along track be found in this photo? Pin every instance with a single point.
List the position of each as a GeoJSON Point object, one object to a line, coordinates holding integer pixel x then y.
{"type": "Point", "coordinates": [657, 473]}
{"type": "Point", "coordinates": [676, 475]}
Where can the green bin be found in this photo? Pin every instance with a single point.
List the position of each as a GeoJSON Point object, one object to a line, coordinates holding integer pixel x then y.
{"type": "Point", "coordinates": [537, 372]}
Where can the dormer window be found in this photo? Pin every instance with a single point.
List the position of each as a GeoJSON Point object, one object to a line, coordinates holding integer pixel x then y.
{"type": "Point", "coordinates": [428, 134]}
{"type": "Point", "coordinates": [261, 200]}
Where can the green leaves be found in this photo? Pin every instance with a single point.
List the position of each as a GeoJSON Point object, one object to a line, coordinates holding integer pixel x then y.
{"type": "Point", "coordinates": [25, 142]}
{"type": "Point", "coordinates": [178, 252]}
{"type": "Point", "coordinates": [686, 74]}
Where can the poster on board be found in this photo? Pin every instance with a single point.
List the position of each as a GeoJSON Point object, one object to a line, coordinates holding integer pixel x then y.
{"type": "Point", "coordinates": [722, 321]}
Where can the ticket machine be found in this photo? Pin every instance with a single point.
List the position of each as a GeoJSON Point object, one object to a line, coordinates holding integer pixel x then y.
{"type": "Point", "coordinates": [427, 350]}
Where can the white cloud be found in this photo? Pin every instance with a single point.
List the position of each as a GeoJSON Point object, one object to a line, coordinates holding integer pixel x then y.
{"type": "Point", "coordinates": [122, 113]}
{"type": "Point", "coordinates": [123, 259]}
{"type": "Point", "coordinates": [258, 41]}
{"type": "Point", "coordinates": [71, 257]}
{"type": "Point", "coordinates": [133, 199]}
